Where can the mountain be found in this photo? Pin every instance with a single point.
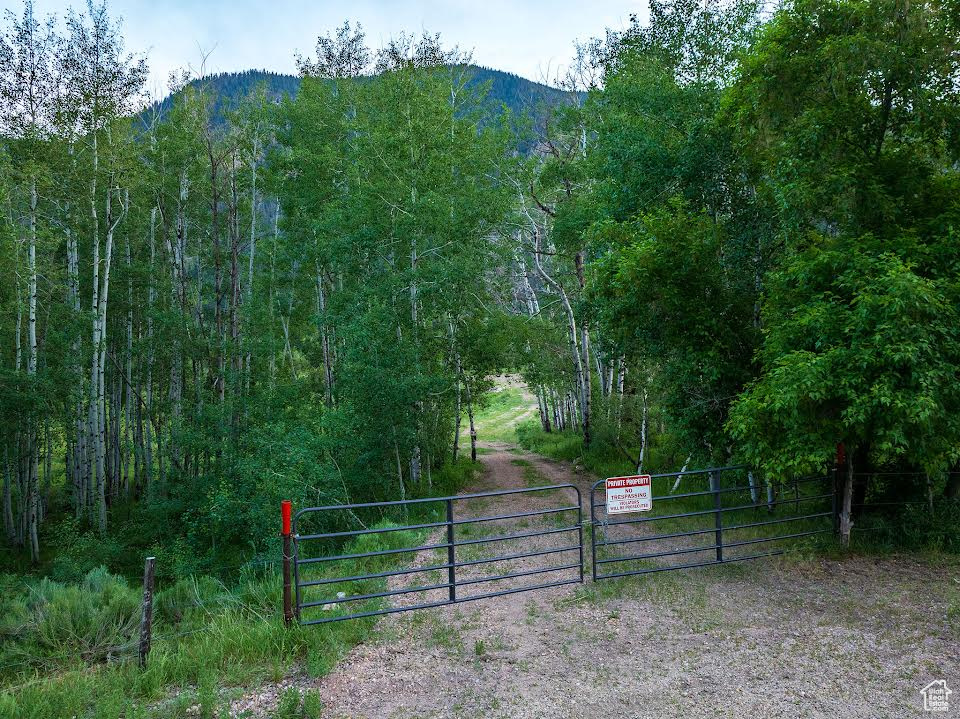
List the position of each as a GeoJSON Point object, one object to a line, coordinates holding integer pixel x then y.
{"type": "Point", "coordinates": [517, 93]}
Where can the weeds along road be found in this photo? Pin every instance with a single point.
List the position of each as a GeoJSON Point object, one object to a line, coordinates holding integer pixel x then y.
{"type": "Point", "coordinates": [788, 637]}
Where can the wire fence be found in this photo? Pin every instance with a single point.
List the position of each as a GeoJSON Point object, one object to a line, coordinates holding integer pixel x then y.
{"type": "Point", "coordinates": [109, 654]}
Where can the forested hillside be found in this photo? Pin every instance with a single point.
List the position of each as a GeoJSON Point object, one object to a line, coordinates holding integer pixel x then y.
{"type": "Point", "coordinates": [727, 235]}
{"type": "Point", "coordinates": [230, 89]}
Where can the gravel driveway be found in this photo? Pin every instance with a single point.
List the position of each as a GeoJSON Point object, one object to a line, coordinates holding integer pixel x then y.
{"type": "Point", "coordinates": [779, 637]}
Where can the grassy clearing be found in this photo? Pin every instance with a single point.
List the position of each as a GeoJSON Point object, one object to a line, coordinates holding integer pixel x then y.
{"type": "Point", "coordinates": [601, 459]}
{"type": "Point", "coordinates": [503, 411]}
{"type": "Point", "coordinates": [69, 650]}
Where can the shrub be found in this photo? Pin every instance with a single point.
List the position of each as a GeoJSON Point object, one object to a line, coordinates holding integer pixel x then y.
{"type": "Point", "coordinates": [95, 620]}
{"type": "Point", "coordinates": [937, 530]}
{"type": "Point", "coordinates": [81, 552]}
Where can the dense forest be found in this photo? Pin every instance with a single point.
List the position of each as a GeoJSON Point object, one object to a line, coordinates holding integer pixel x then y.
{"type": "Point", "coordinates": [727, 234]}
{"type": "Point", "coordinates": [246, 294]}
{"type": "Point", "coordinates": [229, 89]}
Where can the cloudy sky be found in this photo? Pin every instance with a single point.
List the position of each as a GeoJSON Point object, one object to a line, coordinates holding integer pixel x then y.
{"type": "Point", "coordinates": [527, 37]}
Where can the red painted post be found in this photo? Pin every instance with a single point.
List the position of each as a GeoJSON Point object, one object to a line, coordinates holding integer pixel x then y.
{"type": "Point", "coordinates": [285, 510]}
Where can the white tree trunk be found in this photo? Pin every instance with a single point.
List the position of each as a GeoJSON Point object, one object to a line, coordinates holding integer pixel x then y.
{"type": "Point", "coordinates": [94, 433]}
{"type": "Point", "coordinates": [148, 408]}
{"type": "Point", "coordinates": [643, 434]}
{"type": "Point", "coordinates": [33, 489]}
{"type": "Point", "coordinates": [473, 429]}
{"type": "Point", "coordinates": [100, 350]}
{"type": "Point", "coordinates": [128, 401]}
{"type": "Point", "coordinates": [578, 364]}
{"type": "Point", "coordinates": [458, 411]}
{"type": "Point", "coordinates": [683, 469]}
{"type": "Point", "coordinates": [253, 249]}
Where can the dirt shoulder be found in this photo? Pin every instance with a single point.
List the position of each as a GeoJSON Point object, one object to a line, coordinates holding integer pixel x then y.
{"type": "Point", "coordinates": [780, 637]}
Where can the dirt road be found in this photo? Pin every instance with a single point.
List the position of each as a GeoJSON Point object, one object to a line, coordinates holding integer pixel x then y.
{"type": "Point", "coordinates": [771, 638]}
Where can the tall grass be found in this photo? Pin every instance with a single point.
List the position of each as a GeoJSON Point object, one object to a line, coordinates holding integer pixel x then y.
{"type": "Point", "coordinates": [73, 657]}
{"type": "Point", "coordinates": [69, 650]}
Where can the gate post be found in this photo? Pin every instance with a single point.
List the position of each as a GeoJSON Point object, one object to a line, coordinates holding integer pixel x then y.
{"type": "Point", "coordinates": [834, 506]}
{"type": "Point", "coordinates": [451, 554]}
{"type": "Point", "coordinates": [593, 531]}
{"type": "Point", "coordinates": [285, 510]}
{"type": "Point", "coordinates": [718, 506]}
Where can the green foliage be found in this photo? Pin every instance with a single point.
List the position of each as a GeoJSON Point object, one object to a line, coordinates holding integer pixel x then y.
{"type": "Point", "coordinates": [191, 600]}
{"type": "Point", "coordinates": [409, 245]}
{"type": "Point", "coordinates": [666, 292]}
{"type": "Point", "coordinates": [558, 445]}
{"type": "Point", "coordinates": [917, 528]}
{"type": "Point", "coordinates": [79, 552]}
{"type": "Point", "coordinates": [862, 348]}
{"type": "Point", "coordinates": [785, 230]}
{"type": "Point", "coordinates": [858, 141]}
{"type": "Point", "coordinates": [851, 107]}
{"type": "Point", "coordinates": [58, 625]}
{"type": "Point", "coordinates": [294, 705]}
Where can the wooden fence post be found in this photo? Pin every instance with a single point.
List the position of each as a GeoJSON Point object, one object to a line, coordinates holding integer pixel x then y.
{"type": "Point", "coordinates": [146, 618]}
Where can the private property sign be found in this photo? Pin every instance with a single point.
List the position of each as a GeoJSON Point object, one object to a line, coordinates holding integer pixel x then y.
{"type": "Point", "coordinates": [629, 494]}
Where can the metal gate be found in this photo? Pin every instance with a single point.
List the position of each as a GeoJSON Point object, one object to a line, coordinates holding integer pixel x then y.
{"type": "Point", "coordinates": [449, 548]}
{"type": "Point", "coordinates": [733, 511]}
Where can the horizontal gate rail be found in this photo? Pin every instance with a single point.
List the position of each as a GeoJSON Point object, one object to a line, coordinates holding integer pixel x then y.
{"type": "Point", "coordinates": [375, 595]}
{"type": "Point", "coordinates": [794, 535]}
{"type": "Point", "coordinates": [526, 573]}
{"type": "Point", "coordinates": [668, 553]}
{"type": "Point", "coordinates": [519, 535]}
{"type": "Point", "coordinates": [451, 567]}
{"type": "Point", "coordinates": [721, 510]}
{"type": "Point", "coordinates": [794, 496]}
{"type": "Point", "coordinates": [377, 575]}
{"type": "Point", "coordinates": [361, 555]}
{"type": "Point", "coordinates": [653, 570]}
{"type": "Point", "coordinates": [728, 490]}
{"type": "Point", "coordinates": [521, 555]}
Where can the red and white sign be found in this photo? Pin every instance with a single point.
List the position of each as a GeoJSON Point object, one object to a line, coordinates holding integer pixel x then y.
{"type": "Point", "coordinates": [629, 494]}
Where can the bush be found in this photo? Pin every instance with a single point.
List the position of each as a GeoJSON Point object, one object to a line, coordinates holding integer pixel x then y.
{"type": "Point", "coordinates": [14, 615]}
{"type": "Point", "coordinates": [81, 552]}
{"type": "Point", "coordinates": [566, 445]}
{"type": "Point", "coordinates": [95, 620]}
{"type": "Point", "coordinates": [450, 478]}
{"type": "Point", "coordinates": [920, 528]}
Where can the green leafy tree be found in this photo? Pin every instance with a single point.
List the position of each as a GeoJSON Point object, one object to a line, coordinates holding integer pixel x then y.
{"type": "Point", "coordinates": [854, 116]}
